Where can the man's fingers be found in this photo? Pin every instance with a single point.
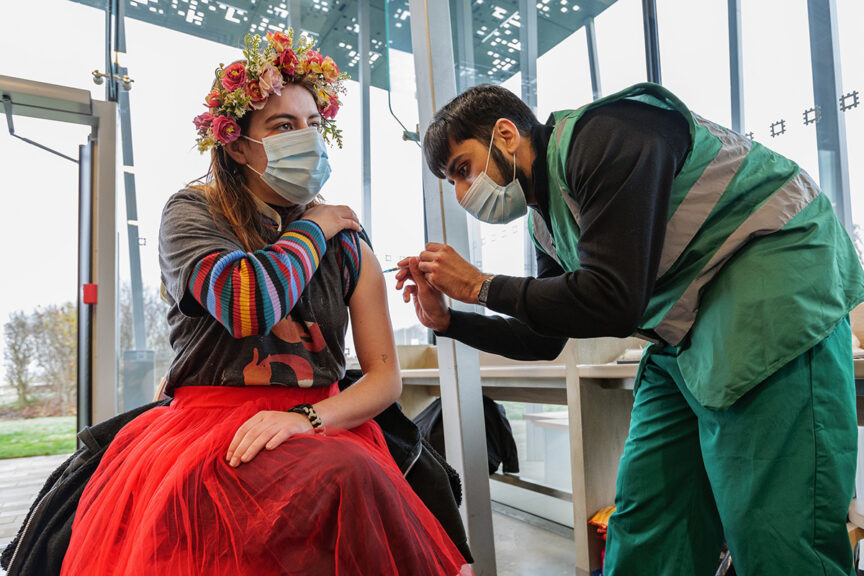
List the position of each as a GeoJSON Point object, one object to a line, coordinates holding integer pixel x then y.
{"type": "Point", "coordinates": [426, 267]}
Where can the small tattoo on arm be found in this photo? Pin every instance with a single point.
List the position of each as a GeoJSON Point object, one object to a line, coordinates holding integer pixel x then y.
{"type": "Point", "coordinates": [384, 358]}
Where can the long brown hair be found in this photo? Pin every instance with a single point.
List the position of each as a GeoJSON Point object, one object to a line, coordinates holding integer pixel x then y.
{"type": "Point", "coordinates": [227, 190]}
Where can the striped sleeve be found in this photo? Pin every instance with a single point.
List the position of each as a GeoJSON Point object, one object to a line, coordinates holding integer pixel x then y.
{"type": "Point", "coordinates": [350, 260]}
{"type": "Point", "coordinates": [249, 292]}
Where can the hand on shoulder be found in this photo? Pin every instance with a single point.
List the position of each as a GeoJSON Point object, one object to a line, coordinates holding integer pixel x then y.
{"type": "Point", "coordinates": [333, 219]}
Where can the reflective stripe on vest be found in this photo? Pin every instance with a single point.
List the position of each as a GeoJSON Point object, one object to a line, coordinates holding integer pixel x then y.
{"type": "Point", "coordinates": [775, 213]}
{"type": "Point", "coordinates": [704, 195]}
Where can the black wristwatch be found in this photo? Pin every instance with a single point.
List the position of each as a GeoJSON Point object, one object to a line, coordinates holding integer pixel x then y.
{"type": "Point", "coordinates": [310, 413]}
{"type": "Point", "coordinates": [484, 291]}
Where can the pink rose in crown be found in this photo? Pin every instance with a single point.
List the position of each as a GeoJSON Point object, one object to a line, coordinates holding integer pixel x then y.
{"type": "Point", "coordinates": [234, 76]}
{"type": "Point", "coordinates": [212, 100]}
{"type": "Point", "coordinates": [331, 109]}
{"type": "Point", "coordinates": [279, 40]}
{"type": "Point", "coordinates": [225, 129]}
{"type": "Point", "coordinates": [258, 99]}
{"type": "Point", "coordinates": [271, 81]}
{"type": "Point", "coordinates": [203, 121]}
{"type": "Point", "coordinates": [287, 62]}
{"type": "Point", "coordinates": [329, 69]}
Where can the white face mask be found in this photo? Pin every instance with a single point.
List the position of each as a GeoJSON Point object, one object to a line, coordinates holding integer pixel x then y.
{"type": "Point", "coordinates": [490, 202]}
{"type": "Point", "coordinates": [297, 164]}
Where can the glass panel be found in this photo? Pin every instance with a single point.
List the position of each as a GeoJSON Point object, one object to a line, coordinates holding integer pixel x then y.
{"type": "Point", "coordinates": [850, 15]}
{"type": "Point", "coordinates": [695, 58]}
{"type": "Point", "coordinates": [161, 112]}
{"type": "Point", "coordinates": [621, 46]}
{"type": "Point", "coordinates": [778, 84]}
{"type": "Point", "coordinates": [397, 193]}
{"type": "Point", "coordinates": [563, 76]}
{"type": "Point", "coordinates": [39, 227]}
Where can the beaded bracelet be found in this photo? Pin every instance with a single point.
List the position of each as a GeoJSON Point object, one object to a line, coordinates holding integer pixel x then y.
{"type": "Point", "coordinates": [310, 413]}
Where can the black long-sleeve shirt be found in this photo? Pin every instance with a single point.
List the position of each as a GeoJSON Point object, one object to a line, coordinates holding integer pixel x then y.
{"type": "Point", "coordinates": [622, 159]}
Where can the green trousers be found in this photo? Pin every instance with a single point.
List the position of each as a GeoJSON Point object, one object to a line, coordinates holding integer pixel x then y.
{"type": "Point", "coordinates": [773, 475]}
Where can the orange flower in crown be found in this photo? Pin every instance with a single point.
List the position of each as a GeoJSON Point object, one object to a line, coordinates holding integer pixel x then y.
{"type": "Point", "coordinates": [247, 84]}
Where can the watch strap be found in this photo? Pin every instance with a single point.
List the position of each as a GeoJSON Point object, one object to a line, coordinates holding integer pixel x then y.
{"type": "Point", "coordinates": [483, 296]}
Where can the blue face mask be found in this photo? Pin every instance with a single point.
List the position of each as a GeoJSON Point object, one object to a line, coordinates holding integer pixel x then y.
{"type": "Point", "coordinates": [490, 202]}
{"type": "Point", "coordinates": [297, 164]}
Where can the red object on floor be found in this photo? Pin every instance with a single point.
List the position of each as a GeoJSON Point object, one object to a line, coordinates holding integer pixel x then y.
{"type": "Point", "coordinates": [165, 501]}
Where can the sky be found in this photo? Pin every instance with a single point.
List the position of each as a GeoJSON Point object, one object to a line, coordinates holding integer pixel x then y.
{"type": "Point", "coordinates": [172, 73]}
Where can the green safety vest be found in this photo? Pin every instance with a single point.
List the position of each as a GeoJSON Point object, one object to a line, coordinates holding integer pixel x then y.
{"type": "Point", "coordinates": [755, 267]}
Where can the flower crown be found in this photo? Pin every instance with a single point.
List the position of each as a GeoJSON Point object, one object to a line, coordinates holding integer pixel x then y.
{"type": "Point", "coordinates": [246, 85]}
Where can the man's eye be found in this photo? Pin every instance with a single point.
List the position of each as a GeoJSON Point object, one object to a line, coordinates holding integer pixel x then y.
{"type": "Point", "coordinates": [462, 171]}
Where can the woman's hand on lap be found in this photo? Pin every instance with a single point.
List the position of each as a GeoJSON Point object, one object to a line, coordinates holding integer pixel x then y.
{"type": "Point", "coordinates": [333, 219]}
{"type": "Point", "coordinates": [266, 429]}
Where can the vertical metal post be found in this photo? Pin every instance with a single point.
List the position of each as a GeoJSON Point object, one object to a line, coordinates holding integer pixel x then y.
{"type": "Point", "coordinates": [466, 75]}
{"type": "Point", "coordinates": [528, 53]}
{"type": "Point", "coordinates": [364, 48]}
{"type": "Point", "coordinates": [827, 89]}
{"type": "Point", "coordinates": [652, 44]}
{"type": "Point", "coordinates": [593, 62]}
{"type": "Point", "coordinates": [528, 67]}
{"type": "Point", "coordinates": [85, 276]}
{"type": "Point", "coordinates": [137, 286]}
{"type": "Point", "coordinates": [461, 396]}
{"type": "Point", "coordinates": [104, 263]}
{"type": "Point", "coordinates": [110, 85]}
{"type": "Point", "coordinates": [736, 68]}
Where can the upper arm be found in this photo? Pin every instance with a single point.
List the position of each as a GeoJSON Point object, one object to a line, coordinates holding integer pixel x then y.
{"type": "Point", "coordinates": [370, 318]}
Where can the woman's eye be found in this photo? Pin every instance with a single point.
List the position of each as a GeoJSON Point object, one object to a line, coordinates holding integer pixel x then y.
{"type": "Point", "coordinates": [286, 126]}
{"type": "Point", "coordinates": [316, 125]}
{"type": "Point", "coordinates": [462, 171]}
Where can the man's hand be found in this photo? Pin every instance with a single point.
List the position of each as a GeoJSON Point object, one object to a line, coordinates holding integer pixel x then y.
{"type": "Point", "coordinates": [429, 304]}
{"type": "Point", "coordinates": [448, 272]}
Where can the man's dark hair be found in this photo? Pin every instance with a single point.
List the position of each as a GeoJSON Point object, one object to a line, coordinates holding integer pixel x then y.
{"type": "Point", "coordinates": [472, 114]}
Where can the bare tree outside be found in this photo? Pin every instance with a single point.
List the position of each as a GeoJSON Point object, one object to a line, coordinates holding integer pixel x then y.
{"type": "Point", "coordinates": [155, 319]}
{"type": "Point", "coordinates": [18, 355]}
{"type": "Point", "coordinates": [56, 329]}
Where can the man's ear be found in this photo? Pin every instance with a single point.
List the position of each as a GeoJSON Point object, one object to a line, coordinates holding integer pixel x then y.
{"type": "Point", "coordinates": [237, 151]}
{"type": "Point", "coordinates": [508, 135]}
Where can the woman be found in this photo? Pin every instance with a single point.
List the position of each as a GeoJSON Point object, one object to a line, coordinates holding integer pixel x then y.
{"type": "Point", "coordinates": [259, 466]}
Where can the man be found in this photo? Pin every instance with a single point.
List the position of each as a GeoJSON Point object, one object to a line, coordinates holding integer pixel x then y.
{"type": "Point", "coordinates": [652, 221]}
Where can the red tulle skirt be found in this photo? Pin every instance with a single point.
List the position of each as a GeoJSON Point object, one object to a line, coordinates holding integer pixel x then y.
{"type": "Point", "coordinates": [165, 502]}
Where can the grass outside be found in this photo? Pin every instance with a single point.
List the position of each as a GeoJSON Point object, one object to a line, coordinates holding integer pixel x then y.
{"type": "Point", "coordinates": [37, 437]}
